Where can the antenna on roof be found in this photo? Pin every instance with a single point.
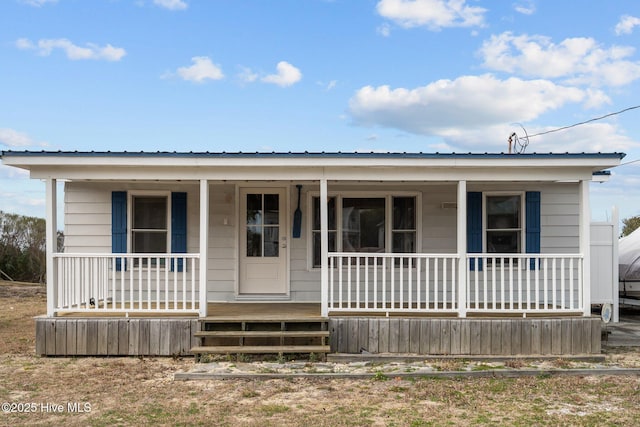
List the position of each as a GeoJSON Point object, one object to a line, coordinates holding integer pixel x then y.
{"type": "Point", "coordinates": [518, 145]}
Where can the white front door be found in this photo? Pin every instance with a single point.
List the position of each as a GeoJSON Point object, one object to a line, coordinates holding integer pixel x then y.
{"type": "Point", "coordinates": [263, 241]}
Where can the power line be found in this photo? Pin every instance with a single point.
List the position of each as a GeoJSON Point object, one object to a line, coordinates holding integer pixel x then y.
{"type": "Point", "coordinates": [629, 162]}
{"type": "Point", "coordinates": [585, 122]}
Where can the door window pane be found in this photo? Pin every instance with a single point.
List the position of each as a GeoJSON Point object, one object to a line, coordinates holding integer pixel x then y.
{"type": "Point", "coordinates": [254, 241]}
{"type": "Point", "coordinates": [363, 225]}
{"type": "Point", "coordinates": [271, 239]}
{"type": "Point", "coordinates": [263, 230]}
{"type": "Point", "coordinates": [254, 209]}
{"type": "Point", "coordinates": [271, 209]}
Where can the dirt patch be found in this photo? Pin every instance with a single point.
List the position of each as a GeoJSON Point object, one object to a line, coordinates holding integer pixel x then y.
{"type": "Point", "coordinates": [141, 391]}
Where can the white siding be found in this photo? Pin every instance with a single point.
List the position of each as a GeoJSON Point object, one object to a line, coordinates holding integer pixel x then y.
{"type": "Point", "coordinates": [88, 224]}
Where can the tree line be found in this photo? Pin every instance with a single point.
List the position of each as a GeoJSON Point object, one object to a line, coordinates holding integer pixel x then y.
{"type": "Point", "coordinates": [23, 248]}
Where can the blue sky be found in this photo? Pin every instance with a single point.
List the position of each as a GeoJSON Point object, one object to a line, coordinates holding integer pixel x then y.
{"type": "Point", "coordinates": [296, 75]}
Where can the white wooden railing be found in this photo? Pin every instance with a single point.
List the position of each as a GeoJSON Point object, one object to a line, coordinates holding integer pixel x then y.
{"type": "Point", "coordinates": [126, 283]}
{"type": "Point", "coordinates": [429, 283]}
{"type": "Point", "coordinates": [524, 283]}
{"type": "Point", "coordinates": [392, 282]}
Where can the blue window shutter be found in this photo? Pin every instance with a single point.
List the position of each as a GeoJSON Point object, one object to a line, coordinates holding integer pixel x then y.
{"type": "Point", "coordinates": [178, 226]}
{"type": "Point", "coordinates": [119, 225]}
{"type": "Point", "coordinates": [474, 225]}
{"type": "Point", "coordinates": [532, 230]}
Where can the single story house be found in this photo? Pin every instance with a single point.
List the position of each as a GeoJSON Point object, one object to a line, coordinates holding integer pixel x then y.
{"type": "Point", "coordinates": [429, 253]}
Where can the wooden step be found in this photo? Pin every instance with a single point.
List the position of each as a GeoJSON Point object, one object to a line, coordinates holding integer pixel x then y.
{"type": "Point", "coordinates": [260, 349]}
{"type": "Point", "coordinates": [262, 334]}
{"type": "Point", "coordinates": [263, 319]}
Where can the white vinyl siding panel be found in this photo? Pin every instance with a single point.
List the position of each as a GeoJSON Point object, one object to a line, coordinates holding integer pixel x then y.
{"type": "Point", "coordinates": [88, 224]}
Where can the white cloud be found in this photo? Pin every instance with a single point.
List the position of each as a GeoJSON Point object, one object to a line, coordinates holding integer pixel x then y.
{"type": "Point", "coordinates": [286, 75]}
{"type": "Point", "coordinates": [73, 52]}
{"type": "Point", "coordinates": [627, 24]}
{"type": "Point", "coordinates": [384, 30]}
{"type": "Point", "coordinates": [37, 3]}
{"type": "Point", "coordinates": [578, 60]}
{"type": "Point", "coordinates": [13, 138]}
{"type": "Point", "coordinates": [445, 107]}
{"type": "Point", "coordinates": [171, 4]}
{"type": "Point", "coordinates": [10, 172]}
{"type": "Point", "coordinates": [434, 14]}
{"type": "Point", "coordinates": [328, 86]}
{"type": "Point", "coordinates": [526, 7]}
{"type": "Point", "coordinates": [201, 70]}
{"type": "Point", "coordinates": [247, 75]}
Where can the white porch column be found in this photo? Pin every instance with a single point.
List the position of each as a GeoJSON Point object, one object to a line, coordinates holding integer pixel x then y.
{"type": "Point", "coordinates": [462, 248]}
{"type": "Point", "coordinates": [51, 244]}
{"type": "Point", "coordinates": [204, 245]}
{"type": "Point", "coordinates": [614, 262]}
{"type": "Point", "coordinates": [324, 249]}
{"type": "Point", "coordinates": [585, 245]}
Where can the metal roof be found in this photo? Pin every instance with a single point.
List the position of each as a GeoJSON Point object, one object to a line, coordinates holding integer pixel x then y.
{"type": "Point", "coordinates": [305, 154]}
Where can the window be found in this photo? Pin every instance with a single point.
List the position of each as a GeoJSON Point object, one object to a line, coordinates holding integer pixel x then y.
{"type": "Point", "coordinates": [315, 228]}
{"type": "Point", "coordinates": [149, 225]}
{"type": "Point", "coordinates": [367, 225]}
{"type": "Point", "coordinates": [403, 233]}
{"type": "Point", "coordinates": [504, 223]}
{"type": "Point", "coordinates": [363, 225]}
{"type": "Point", "coordinates": [149, 222]}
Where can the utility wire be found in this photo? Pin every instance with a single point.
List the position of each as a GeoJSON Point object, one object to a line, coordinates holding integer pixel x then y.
{"type": "Point", "coordinates": [586, 121]}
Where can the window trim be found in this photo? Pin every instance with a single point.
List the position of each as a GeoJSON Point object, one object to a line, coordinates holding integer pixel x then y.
{"type": "Point", "coordinates": [388, 195]}
{"type": "Point", "coordinates": [523, 222]}
{"type": "Point", "coordinates": [154, 193]}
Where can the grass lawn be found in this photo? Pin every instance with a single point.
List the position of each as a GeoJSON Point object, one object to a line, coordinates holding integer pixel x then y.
{"type": "Point", "coordinates": [141, 391]}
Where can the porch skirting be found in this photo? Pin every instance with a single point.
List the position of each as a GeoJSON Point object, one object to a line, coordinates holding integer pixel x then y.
{"type": "Point", "coordinates": [470, 336]}
{"type": "Point", "coordinates": [429, 336]}
{"type": "Point", "coordinates": [115, 336]}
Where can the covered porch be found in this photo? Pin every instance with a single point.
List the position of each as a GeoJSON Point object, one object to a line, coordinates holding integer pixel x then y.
{"type": "Point", "coordinates": [459, 283]}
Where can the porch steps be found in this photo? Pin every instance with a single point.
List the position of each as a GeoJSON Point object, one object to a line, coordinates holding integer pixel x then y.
{"type": "Point", "coordinates": [262, 335]}
{"type": "Point", "coordinates": [261, 349]}
{"type": "Point", "coordinates": [291, 334]}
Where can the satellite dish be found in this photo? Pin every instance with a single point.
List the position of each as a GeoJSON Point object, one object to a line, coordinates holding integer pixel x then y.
{"type": "Point", "coordinates": [606, 312]}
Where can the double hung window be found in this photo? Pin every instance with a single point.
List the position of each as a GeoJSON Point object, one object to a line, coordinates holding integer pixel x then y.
{"type": "Point", "coordinates": [149, 226]}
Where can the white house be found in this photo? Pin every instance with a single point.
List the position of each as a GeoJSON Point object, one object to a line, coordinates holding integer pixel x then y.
{"type": "Point", "coordinates": [411, 252]}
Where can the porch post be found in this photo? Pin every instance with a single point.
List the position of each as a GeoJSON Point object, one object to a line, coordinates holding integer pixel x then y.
{"type": "Point", "coordinates": [204, 246]}
{"type": "Point", "coordinates": [324, 249]}
{"type": "Point", "coordinates": [462, 248]}
{"type": "Point", "coordinates": [585, 245]}
{"type": "Point", "coordinates": [51, 229]}
{"type": "Point", "coordinates": [614, 261]}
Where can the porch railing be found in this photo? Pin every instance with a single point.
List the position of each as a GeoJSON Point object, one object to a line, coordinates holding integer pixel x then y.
{"type": "Point", "coordinates": [126, 283]}
{"type": "Point", "coordinates": [524, 283]}
{"type": "Point", "coordinates": [430, 283]}
{"type": "Point", "coordinates": [392, 282]}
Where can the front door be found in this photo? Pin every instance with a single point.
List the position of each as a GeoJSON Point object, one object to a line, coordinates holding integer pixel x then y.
{"type": "Point", "coordinates": [263, 242]}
